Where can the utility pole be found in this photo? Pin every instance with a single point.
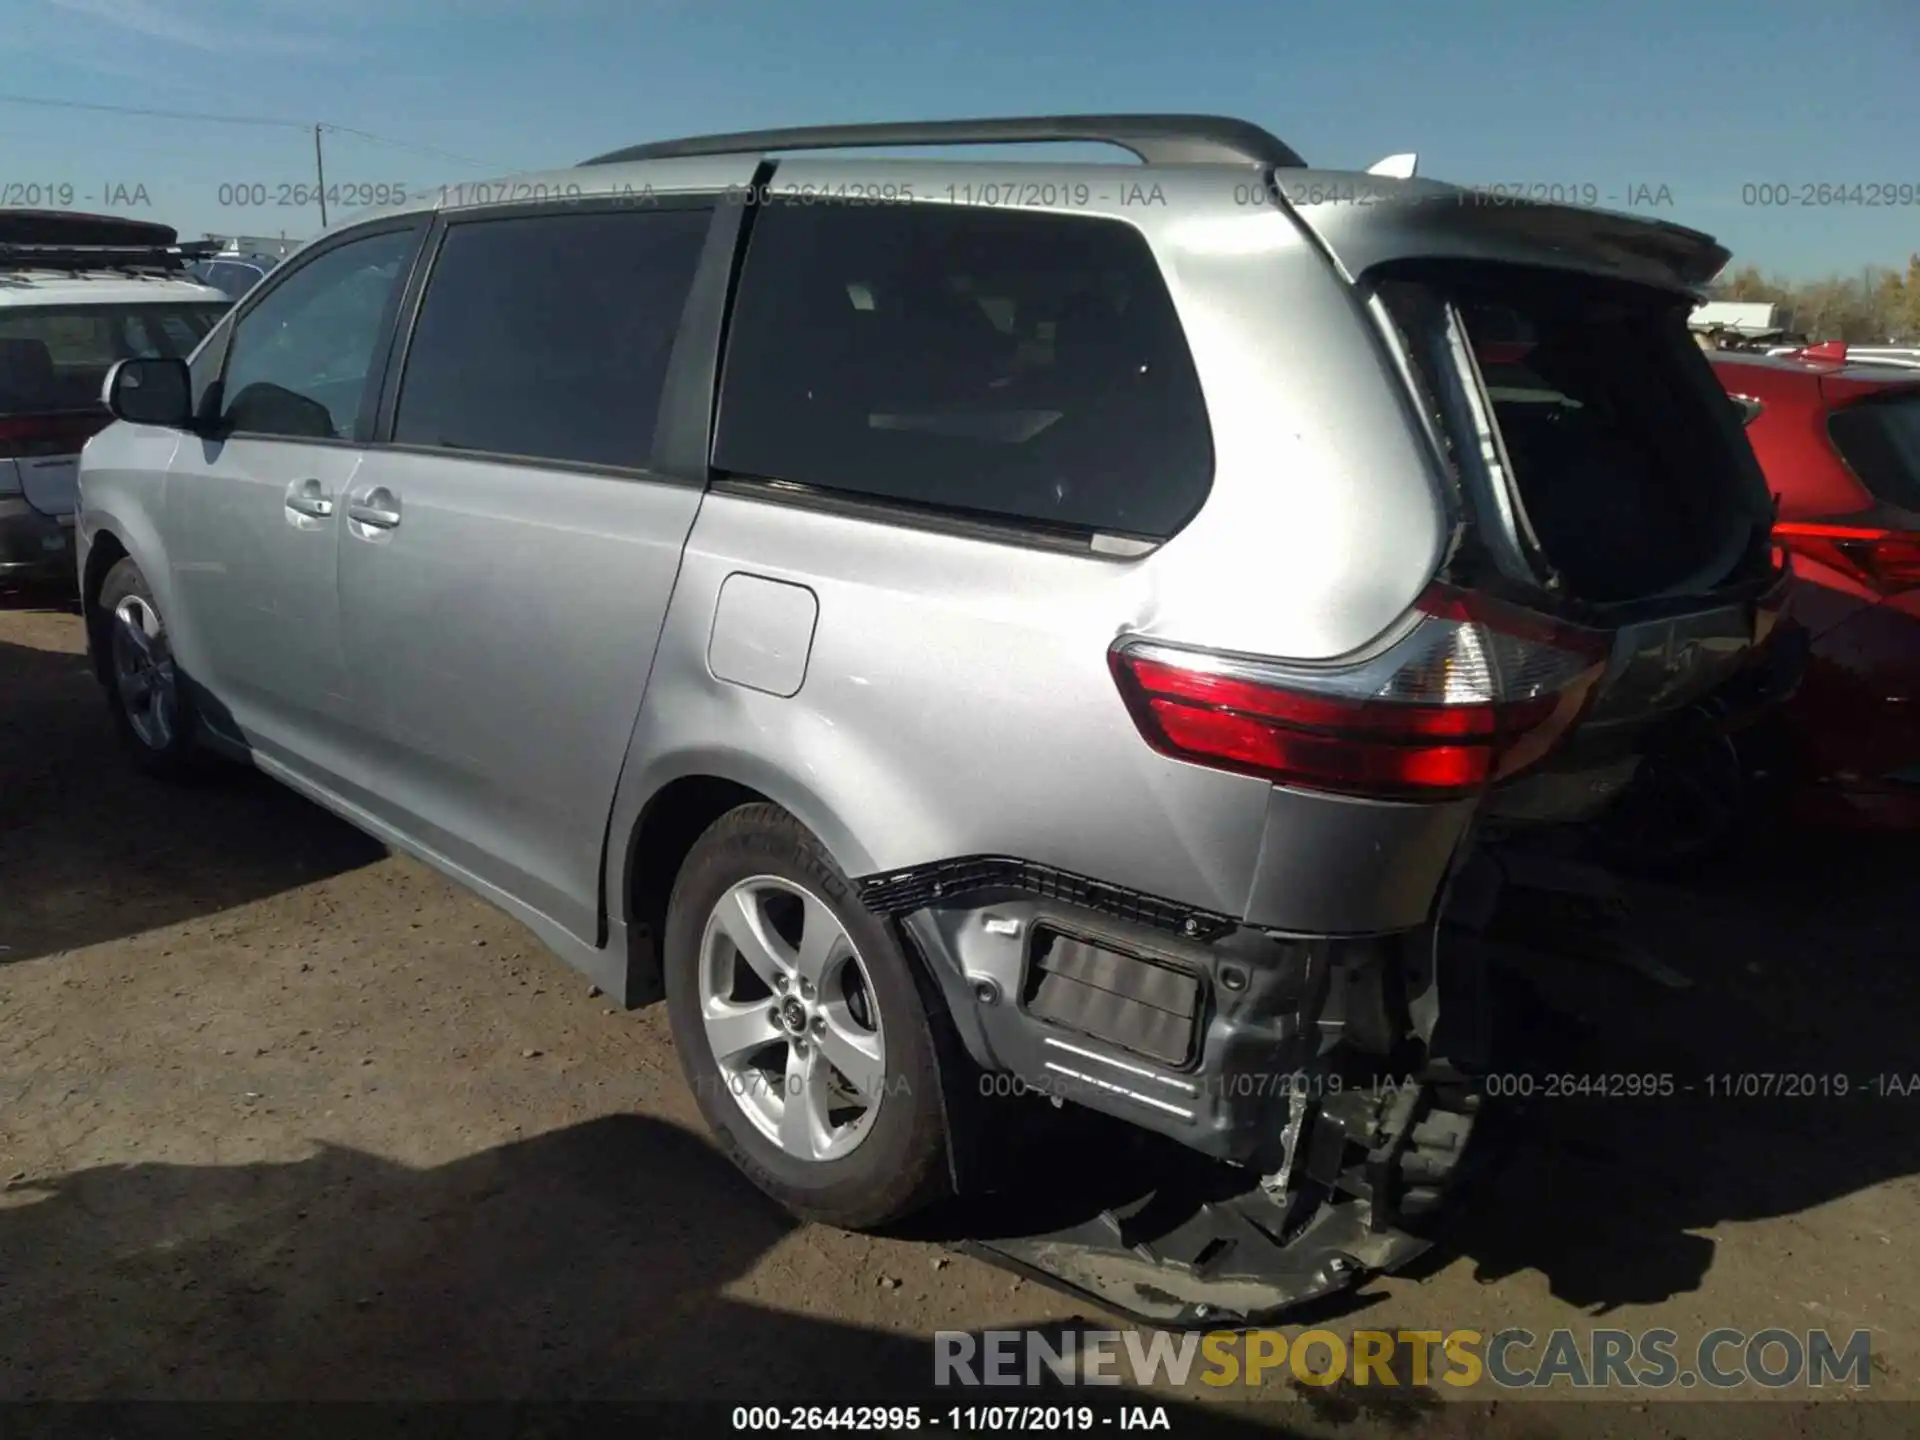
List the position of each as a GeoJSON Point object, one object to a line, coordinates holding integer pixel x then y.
{"type": "Point", "coordinates": [320, 172]}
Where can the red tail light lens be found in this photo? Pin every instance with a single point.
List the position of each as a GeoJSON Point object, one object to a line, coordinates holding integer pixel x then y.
{"type": "Point", "coordinates": [1884, 561]}
{"type": "Point", "coordinates": [1472, 694]}
{"type": "Point", "coordinates": [24, 437]}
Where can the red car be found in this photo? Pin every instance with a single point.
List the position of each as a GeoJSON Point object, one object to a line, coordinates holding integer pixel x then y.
{"type": "Point", "coordinates": [1840, 444]}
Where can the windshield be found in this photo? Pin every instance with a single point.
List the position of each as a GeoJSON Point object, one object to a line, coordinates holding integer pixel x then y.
{"type": "Point", "coordinates": [57, 357]}
{"type": "Point", "coordinates": [1880, 441]}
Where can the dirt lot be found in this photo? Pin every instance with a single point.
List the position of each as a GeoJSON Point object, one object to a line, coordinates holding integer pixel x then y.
{"type": "Point", "coordinates": [283, 1116]}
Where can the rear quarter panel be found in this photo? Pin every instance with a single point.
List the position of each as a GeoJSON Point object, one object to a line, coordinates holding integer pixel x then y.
{"type": "Point", "coordinates": [956, 701]}
{"type": "Point", "coordinates": [1789, 438]}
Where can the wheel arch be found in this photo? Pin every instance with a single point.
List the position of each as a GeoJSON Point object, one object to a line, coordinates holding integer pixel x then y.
{"type": "Point", "coordinates": [678, 802]}
{"type": "Point", "coordinates": [660, 815]}
{"type": "Point", "coordinates": [128, 532]}
{"type": "Point", "coordinates": [104, 551]}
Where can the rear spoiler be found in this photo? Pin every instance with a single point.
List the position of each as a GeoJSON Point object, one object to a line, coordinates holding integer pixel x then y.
{"type": "Point", "coordinates": [1827, 352]}
{"type": "Point", "coordinates": [1411, 219]}
{"type": "Point", "coordinates": [1691, 256]}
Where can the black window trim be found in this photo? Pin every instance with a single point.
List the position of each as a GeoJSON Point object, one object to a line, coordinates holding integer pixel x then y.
{"type": "Point", "coordinates": [956, 520]}
{"type": "Point", "coordinates": [418, 224]}
{"type": "Point", "coordinates": [692, 363]}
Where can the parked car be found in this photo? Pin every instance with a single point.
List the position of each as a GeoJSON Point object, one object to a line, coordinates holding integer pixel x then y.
{"type": "Point", "coordinates": [77, 293]}
{"type": "Point", "coordinates": [1840, 443]}
{"type": "Point", "coordinates": [233, 273]}
{"type": "Point", "coordinates": [943, 635]}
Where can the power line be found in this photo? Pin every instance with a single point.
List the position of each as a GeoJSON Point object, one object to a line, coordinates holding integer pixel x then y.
{"type": "Point", "coordinates": [409, 145]}
{"type": "Point", "coordinates": [272, 121]}
{"type": "Point", "coordinates": [155, 114]}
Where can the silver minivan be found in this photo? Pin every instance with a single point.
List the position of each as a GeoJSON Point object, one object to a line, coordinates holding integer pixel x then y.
{"type": "Point", "coordinates": [952, 627]}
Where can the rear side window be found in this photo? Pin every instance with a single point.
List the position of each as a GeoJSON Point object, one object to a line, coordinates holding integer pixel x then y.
{"type": "Point", "coordinates": [548, 336]}
{"type": "Point", "coordinates": [1880, 441]}
{"type": "Point", "coordinates": [1016, 366]}
{"type": "Point", "coordinates": [1629, 464]}
{"type": "Point", "coordinates": [57, 358]}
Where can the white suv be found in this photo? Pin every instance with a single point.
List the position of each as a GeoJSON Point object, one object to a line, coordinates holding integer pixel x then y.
{"type": "Point", "coordinates": [77, 293]}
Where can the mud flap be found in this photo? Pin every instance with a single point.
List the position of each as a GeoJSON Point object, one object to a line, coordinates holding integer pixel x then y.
{"type": "Point", "coordinates": [1365, 1168]}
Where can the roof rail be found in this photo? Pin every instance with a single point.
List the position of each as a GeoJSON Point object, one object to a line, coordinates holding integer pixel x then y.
{"type": "Point", "coordinates": [1155, 139]}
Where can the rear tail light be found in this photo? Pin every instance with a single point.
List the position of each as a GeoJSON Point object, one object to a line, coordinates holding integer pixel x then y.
{"type": "Point", "coordinates": [1474, 693]}
{"type": "Point", "coordinates": [1884, 561]}
{"type": "Point", "coordinates": [25, 437]}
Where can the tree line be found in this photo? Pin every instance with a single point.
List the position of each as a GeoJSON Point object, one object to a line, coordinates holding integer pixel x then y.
{"type": "Point", "coordinates": [1879, 306]}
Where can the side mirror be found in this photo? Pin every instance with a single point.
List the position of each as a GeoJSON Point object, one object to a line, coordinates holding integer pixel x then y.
{"type": "Point", "coordinates": [151, 392]}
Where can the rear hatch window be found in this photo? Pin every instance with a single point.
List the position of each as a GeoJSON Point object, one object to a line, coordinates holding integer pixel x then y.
{"type": "Point", "coordinates": [1585, 427]}
{"type": "Point", "coordinates": [56, 358]}
{"type": "Point", "coordinates": [1879, 438]}
{"type": "Point", "coordinates": [53, 366]}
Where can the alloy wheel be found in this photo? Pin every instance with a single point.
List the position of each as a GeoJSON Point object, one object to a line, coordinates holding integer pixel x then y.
{"type": "Point", "coordinates": [144, 673]}
{"type": "Point", "coordinates": [791, 1018]}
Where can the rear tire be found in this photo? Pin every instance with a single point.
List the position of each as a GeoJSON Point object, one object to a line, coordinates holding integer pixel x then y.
{"type": "Point", "coordinates": [151, 703]}
{"type": "Point", "coordinates": [801, 1027]}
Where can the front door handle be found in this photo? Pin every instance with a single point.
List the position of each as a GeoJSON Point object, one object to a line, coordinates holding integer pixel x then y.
{"type": "Point", "coordinates": [305, 497]}
{"type": "Point", "coordinates": [378, 507]}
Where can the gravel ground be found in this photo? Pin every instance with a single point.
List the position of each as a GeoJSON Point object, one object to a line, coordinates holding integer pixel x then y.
{"type": "Point", "coordinates": [284, 1116]}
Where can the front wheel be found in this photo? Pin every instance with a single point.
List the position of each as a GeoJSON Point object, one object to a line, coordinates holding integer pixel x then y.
{"type": "Point", "coordinates": [801, 1026]}
{"type": "Point", "coordinates": [152, 711]}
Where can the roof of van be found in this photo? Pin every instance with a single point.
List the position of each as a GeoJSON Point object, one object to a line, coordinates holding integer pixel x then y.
{"type": "Point", "coordinates": [24, 288]}
{"type": "Point", "coordinates": [1219, 165]}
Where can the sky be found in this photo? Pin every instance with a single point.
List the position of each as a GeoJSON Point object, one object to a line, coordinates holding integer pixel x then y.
{"type": "Point", "coordinates": [1729, 118]}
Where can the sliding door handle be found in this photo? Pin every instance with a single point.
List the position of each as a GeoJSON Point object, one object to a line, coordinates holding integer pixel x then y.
{"type": "Point", "coordinates": [305, 497]}
{"type": "Point", "coordinates": [378, 507]}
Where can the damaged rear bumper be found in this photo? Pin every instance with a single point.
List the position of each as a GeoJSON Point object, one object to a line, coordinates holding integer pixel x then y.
{"type": "Point", "coordinates": [1372, 1171]}
{"type": "Point", "coordinates": [1325, 1077]}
